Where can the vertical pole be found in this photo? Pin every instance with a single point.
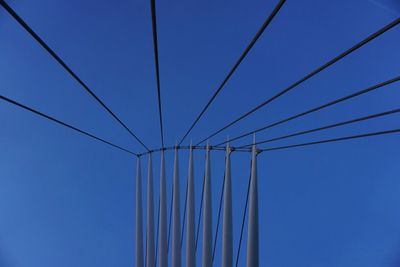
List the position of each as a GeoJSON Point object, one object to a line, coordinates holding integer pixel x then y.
{"type": "Point", "coordinates": [176, 217]}
{"type": "Point", "coordinates": [150, 258]}
{"type": "Point", "coordinates": [190, 219]}
{"type": "Point", "coordinates": [227, 238]}
{"type": "Point", "coordinates": [252, 234]}
{"type": "Point", "coordinates": [139, 215]}
{"type": "Point", "coordinates": [207, 217]}
{"type": "Point", "coordinates": [162, 240]}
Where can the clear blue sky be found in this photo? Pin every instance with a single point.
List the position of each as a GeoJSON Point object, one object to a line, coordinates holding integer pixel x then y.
{"type": "Point", "coordinates": [67, 200]}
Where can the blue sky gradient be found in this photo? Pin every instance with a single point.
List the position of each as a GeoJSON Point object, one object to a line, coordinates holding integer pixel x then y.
{"type": "Point", "coordinates": [67, 200]}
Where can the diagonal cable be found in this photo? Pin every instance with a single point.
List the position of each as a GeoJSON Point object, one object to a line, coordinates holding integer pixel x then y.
{"type": "Point", "coordinates": [219, 214]}
{"type": "Point", "coordinates": [170, 218]}
{"type": "Point", "coordinates": [66, 67]}
{"type": "Point", "coordinates": [244, 217]}
{"type": "Point", "coordinates": [64, 124]}
{"type": "Point", "coordinates": [332, 140]}
{"type": "Point", "coordinates": [308, 76]}
{"type": "Point", "coordinates": [318, 108]}
{"type": "Point", "coordinates": [184, 212]}
{"type": "Point", "coordinates": [235, 66]}
{"type": "Point", "coordinates": [155, 45]}
{"type": "Point", "coordinates": [200, 211]}
{"type": "Point", "coordinates": [330, 126]}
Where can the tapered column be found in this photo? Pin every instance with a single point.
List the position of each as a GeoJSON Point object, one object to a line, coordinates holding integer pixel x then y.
{"type": "Point", "coordinates": [190, 219]}
{"type": "Point", "coordinates": [227, 237]}
{"type": "Point", "coordinates": [150, 247]}
{"type": "Point", "coordinates": [162, 231]}
{"type": "Point", "coordinates": [207, 215]}
{"type": "Point", "coordinates": [252, 234]}
{"type": "Point", "coordinates": [176, 216]}
{"type": "Point", "coordinates": [139, 216]}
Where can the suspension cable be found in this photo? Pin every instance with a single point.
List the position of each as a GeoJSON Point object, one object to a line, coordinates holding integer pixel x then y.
{"type": "Point", "coordinates": [318, 108]}
{"type": "Point", "coordinates": [64, 124]}
{"type": "Point", "coordinates": [244, 217]}
{"type": "Point", "coordinates": [235, 66]}
{"type": "Point", "coordinates": [66, 67]}
{"type": "Point", "coordinates": [157, 66]}
{"type": "Point", "coordinates": [308, 76]}
{"type": "Point", "coordinates": [330, 126]}
{"type": "Point", "coordinates": [332, 140]}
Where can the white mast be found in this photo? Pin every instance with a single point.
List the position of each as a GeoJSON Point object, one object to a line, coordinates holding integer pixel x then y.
{"type": "Point", "coordinates": [176, 217]}
{"type": "Point", "coordinates": [139, 215]}
{"type": "Point", "coordinates": [252, 234]}
{"type": "Point", "coordinates": [227, 236]}
{"type": "Point", "coordinates": [162, 240]}
{"type": "Point", "coordinates": [150, 258]}
{"type": "Point", "coordinates": [207, 217]}
{"type": "Point", "coordinates": [190, 219]}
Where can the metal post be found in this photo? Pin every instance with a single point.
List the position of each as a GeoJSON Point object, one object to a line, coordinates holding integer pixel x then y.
{"type": "Point", "coordinates": [207, 217]}
{"type": "Point", "coordinates": [227, 238]}
{"type": "Point", "coordinates": [162, 240]}
{"type": "Point", "coordinates": [139, 215]}
{"type": "Point", "coordinates": [252, 235]}
{"type": "Point", "coordinates": [190, 219]}
{"type": "Point", "coordinates": [176, 217]}
{"type": "Point", "coordinates": [150, 258]}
